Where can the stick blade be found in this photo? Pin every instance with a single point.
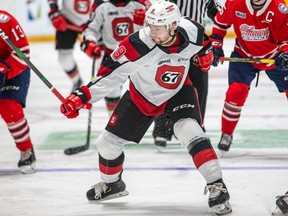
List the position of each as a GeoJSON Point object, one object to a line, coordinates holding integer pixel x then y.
{"type": "Point", "coordinates": [76, 149]}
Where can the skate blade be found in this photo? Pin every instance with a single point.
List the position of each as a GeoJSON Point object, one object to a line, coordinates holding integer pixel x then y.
{"type": "Point", "coordinates": [160, 149]}
{"type": "Point", "coordinates": [28, 169]}
{"type": "Point", "coordinates": [221, 153]}
{"type": "Point", "coordinates": [222, 209]}
{"type": "Point", "coordinates": [113, 196]}
{"type": "Point", "coordinates": [277, 212]}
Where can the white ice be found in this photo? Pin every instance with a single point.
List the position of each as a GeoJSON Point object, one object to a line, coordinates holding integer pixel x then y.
{"type": "Point", "coordinates": [159, 184]}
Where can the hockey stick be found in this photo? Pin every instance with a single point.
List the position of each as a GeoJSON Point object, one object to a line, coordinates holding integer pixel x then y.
{"type": "Point", "coordinates": [78, 149]}
{"type": "Point", "coordinates": [30, 64]}
{"type": "Point", "coordinates": [247, 60]}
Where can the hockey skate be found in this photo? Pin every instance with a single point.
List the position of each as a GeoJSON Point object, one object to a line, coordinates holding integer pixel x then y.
{"type": "Point", "coordinates": [219, 197]}
{"type": "Point", "coordinates": [281, 205]}
{"type": "Point", "coordinates": [105, 191]}
{"type": "Point", "coordinates": [161, 143]}
{"type": "Point", "coordinates": [27, 162]}
{"type": "Point", "coordinates": [225, 143]}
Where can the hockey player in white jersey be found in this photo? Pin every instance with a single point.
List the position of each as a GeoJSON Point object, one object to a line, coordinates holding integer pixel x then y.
{"type": "Point", "coordinates": [156, 60]}
{"type": "Point", "coordinates": [113, 21]}
{"type": "Point", "coordinates": [69, 21]}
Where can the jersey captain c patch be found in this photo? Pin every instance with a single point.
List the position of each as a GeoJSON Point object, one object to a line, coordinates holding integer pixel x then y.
{"type": "Point", "coordinates": [169, 77]}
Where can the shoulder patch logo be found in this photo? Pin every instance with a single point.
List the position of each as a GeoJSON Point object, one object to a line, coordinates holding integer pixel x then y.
{"type": "Point", "coordinates": [240, 14]}
{"type": "Point", "coordinates": [118, 53]}
{"type": "Point", "coordinates": [283, 8]}
{"type": "Point", "coordinates": [4, 18]}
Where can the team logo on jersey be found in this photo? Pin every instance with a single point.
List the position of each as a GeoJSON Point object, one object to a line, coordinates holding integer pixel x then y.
{"type": "Point", "coordinates": [4, 18]}
{"type": "Point", "coordinates": [240, 14]}
{"type": "Point", "coordinates": [283, 8]}
{"type": "Point", "coordinates": [249, 33]}
{"type": "Point", "coordinates": [169, 76]}
{"type": "Point", "coordinates": [113, 120]}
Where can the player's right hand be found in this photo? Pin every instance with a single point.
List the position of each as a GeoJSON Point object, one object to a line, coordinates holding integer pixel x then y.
{"type": "Point", "coordinates": [91, 49]}
{"type": "Point", "coordinates": [74, 102]}
{"type": "Point", "coordinates": [217, 47]}
{"type": "Point", "coordinates": [58, 20]}
{"type": "Point", "coordinates": [4, 69]}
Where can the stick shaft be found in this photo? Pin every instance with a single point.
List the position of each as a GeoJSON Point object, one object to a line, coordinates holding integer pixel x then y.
{"type": "Point", "coordinates": [90, 111]}
{"type": "Point", "coordinates": [31, 65]}
{"type": "Point", "coordinates": [247, 60]}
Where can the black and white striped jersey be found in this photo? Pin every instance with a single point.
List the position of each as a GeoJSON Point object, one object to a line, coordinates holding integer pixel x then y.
{"type": "Point", "coordinates": [197, 9]}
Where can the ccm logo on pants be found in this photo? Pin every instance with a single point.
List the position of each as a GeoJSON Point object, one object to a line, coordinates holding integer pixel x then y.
{"type": "Point", "coordinates": [183, 106]}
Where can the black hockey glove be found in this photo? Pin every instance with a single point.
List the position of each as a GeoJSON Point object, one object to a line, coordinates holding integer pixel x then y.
{"type": "Point", "coordinates": [281, 61]}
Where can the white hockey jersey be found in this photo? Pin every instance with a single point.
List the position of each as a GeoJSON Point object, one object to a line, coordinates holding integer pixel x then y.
{"type": "Point", "coordinates": [156, 73]}
{"type": "Point", "coordinates": [75, 11]}
{"type": "Point", "coordinates": [111, 22]}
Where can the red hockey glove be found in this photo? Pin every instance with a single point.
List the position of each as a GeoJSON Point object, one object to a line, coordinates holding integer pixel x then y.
{"type": "Point", "coordinates": [58, 20]}
{"type": "Point", "coordinates": [139, 16]}
{"type": "Point", "coordinates": [205, 56]}
{"type": "Point", "coordinates": [91, 49]}
{"type": "Point", "coordinates": [281, 61]}
{"type": "Point", "coordinates": [4, 69]}
{"type": "Point", "coordinates": [217, 44]}
{"type": "Point", "coordinates": [76, 101]}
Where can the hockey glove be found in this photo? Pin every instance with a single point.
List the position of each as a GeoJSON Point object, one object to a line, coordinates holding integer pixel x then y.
{"type": "Point", "coordinates": [4, 69]}
{"type": "Point", "coordinates": [204, 57]}
{"type": "Point", "coordinates": [217, 44]}
{"type": "Point", "coordinates": [281, 61]}
{"type": "Point", "coordinates": [58, 20]}
{"type": "Point", "coordinates": [91, 48]}
{"type": "Point", "coordinates": [76, 101]}
{"type": "Point", "coordinates": [139, 16]}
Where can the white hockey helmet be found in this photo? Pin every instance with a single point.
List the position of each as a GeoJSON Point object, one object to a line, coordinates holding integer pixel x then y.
{"type": "Point", "coordinates": [163, 13]}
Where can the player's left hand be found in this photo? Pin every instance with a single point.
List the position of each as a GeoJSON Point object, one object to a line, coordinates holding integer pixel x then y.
{"type": "Point", "coordinates": [205, 56]}
{"type": "Point", "coordinates": [139, 16]}
{"type": "Point", "coordinates": [74, 102]}
{"type": "Point", "coordinates": [281, 61]}
{"type": "Point", "coordinates": [4, 69]}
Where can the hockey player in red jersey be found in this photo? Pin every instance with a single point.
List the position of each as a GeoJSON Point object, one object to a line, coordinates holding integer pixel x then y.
{"type": "Point", "coordinates": [69, 20]}
{"type": "Point", "coordinates": [156, 60]}
{"type": "Point", "coordinates": [261, 28]}
{"type": "Point", "coordinates": [113, 21]}
{"type": "Point", "coordinates": [14, 84]}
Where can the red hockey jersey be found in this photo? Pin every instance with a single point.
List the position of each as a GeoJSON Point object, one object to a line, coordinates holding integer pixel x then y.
{"type": "Point", "coordinates": [260, 34]}
{"type": "Point", "coordinates": [13, 30]}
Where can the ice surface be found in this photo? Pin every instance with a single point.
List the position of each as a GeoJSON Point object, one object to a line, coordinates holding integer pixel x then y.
{"type": "Point", "coordinates": [255, 170]}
